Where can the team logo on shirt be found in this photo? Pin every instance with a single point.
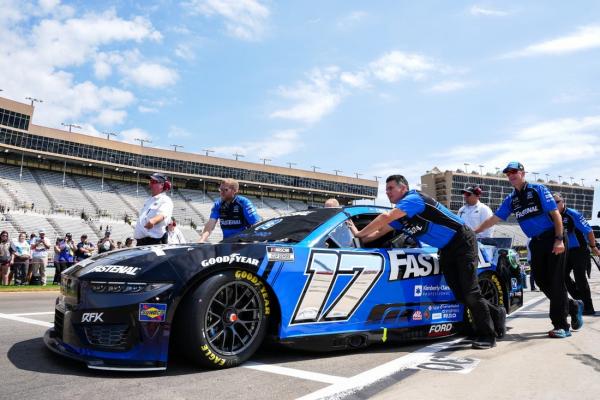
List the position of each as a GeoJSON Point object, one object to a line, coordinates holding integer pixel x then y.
{"type": "Point", "coordinates": [407, 266]}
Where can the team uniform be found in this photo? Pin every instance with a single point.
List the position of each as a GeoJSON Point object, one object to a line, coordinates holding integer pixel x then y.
{"type": "Point", "coordinates": [531, 206]}
{"type": "Point", "coordinates": [159, 204]}
{"type": "Point", "coordinates": [234, 216]}
{"type": "Point", "coordinates": [474, 215]}
{"type": "Point", "coordinates": [430, 222]}
{"type": "Point", "coordinates": [578, 257]}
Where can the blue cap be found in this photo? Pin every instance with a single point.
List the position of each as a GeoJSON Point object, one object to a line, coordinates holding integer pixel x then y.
{"type": "Point", "coordinates": [159, 177]}
{"type": "Point", "coordinates": [513, 165]}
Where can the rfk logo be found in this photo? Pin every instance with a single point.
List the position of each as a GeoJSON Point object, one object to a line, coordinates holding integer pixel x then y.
{"type": "Point", "coordinates": [92, 317]}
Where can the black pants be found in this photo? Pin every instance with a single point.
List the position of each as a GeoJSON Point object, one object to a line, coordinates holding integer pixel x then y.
{"type": "Point", "coordinates": [59, 268]}
{"type": "Point", "coordinates": [578, 261]}
{"type": "Point", "coordinates": [549, 271]}
{"type": "Point", "coordinates": [458, 261]}
{"type": "Point", "coordinates": [150, 240]}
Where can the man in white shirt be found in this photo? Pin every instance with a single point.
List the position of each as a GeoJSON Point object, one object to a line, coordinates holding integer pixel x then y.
{"type": "Point", "coordinates": [174, 234]}
{"type": "Point", "coordinates": [151, 226]}
{"type": "Point", "coordinates": [39, 257]}
{"type": "Point", "coordinates": [475, 212]}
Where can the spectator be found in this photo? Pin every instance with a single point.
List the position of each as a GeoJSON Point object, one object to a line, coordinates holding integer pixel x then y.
{"type": "Point", "coordinates": [39, 257]}
{"type": "Point", "coordinates": [106, 243]}
{"type": "Point", "coordinates": [56, 260]}
{"type": "Point", "coordinates": [21, 252]}
{"type": "Point", "coordinates": [151, 226]}
{"type": "Point", "coordinates": [331, 203]}
{"type": "Point", "coordinates": [5, 257]}
{"type": "Point", "coordinates": [174, 235]}
{"type": "Point", "coordinates": [85, 249]}
{"type": "Point", "coordinates": [474, 212]}
{"type": "Point", "coordinates": [235, 212]}
{"type": "Point", "coordinates": [66, 256]}
{"type": "Point", "coordinates": [129, 242]}
{"type": "Point", "coordinates": [119, 244]}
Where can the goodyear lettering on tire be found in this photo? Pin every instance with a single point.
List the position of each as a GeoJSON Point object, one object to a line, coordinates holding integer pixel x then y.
{"type": "Point", "coordinates": [212, 356]}
{"type": "Point", "coordinates": [250, 277]}
{"type": "Point", "coordinates": [496, 282]}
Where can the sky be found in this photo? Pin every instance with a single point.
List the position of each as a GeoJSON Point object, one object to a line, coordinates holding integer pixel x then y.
{"type": "Point", "coordinates": [369, 88]}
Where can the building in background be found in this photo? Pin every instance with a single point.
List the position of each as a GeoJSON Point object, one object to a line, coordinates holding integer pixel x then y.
{"type": "Point", "coordinates": [446, 187]}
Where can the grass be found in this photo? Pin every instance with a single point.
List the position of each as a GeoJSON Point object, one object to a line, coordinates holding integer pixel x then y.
{"type": "Point", "coordinates": [32, 288]}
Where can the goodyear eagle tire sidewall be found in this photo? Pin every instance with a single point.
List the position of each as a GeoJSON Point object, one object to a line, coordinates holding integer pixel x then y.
{"type": "Point", "coordinates": [199, 349]}
{"type": "Point", "coordinates": [469, 325]}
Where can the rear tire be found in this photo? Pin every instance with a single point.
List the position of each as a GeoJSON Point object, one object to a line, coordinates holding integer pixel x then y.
{"type": "Point", "coordinates": [225, 319]}
{"type": "Point", "coordinates": [492, 290]}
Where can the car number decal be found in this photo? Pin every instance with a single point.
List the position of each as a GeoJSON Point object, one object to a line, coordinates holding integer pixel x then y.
{"type": "Point", "coordinates": [323, 270]}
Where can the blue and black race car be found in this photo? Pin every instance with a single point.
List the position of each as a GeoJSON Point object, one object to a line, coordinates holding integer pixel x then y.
{"type": "Point", "coordinates": [301, 280]}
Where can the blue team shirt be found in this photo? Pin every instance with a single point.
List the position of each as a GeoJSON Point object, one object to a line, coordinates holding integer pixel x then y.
{"type": "Point", "coordinates": [577, 228]}
{"type": "Point", "coordinates": [426, 219]}
{"type": "Point", "coordinates": [531, 206]}
{"type": "Point", "coordinates": [235, 216]}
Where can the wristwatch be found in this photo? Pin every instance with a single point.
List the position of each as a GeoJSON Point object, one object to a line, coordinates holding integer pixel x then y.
{"type": "Point", "coordinates": [561, 237]}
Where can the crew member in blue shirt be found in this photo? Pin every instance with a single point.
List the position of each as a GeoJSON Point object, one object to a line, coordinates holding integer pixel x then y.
{"type": "Point", "coordinates": [235, 212]}
{"type": "Point", "coordinates": [580, 235]}
{"type": "Point", "coordinates": [430, 222]}
{"type": "Point", "coordinates": [536, 213]}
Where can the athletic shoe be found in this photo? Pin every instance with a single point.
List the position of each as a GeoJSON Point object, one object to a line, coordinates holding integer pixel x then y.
{"type": "Point", "coordinates": [589, 312]}
{"type": "Point", "coordinates": [577, 317]}
{"type": "Point", "coordinates": [559, 333]}
{"type": "Point", "coordinates": [484, 342]}
{"type": "Point", "coordinates": [500, 323]}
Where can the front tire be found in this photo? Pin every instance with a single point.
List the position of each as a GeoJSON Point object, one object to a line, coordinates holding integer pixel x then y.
{"type": "Point", "coordinates": [226, 319]}
{"type": "Point", "coordinates": [492, 290]}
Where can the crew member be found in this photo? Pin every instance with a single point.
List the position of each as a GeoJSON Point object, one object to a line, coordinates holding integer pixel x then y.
{"type": "Point", "coordinates": [174, 234]}
{"type": "Point", "coordinates": [235, 212]}
{"type": "Point", "coordinates": [578, 255]}
{"type": "Point", "coordinates": [430, 222]}
{"type": "Point", "coordinates": [331, 203]}
{"type": "Point", "coordinates": [536, 213]}
{"type": "Point", "coordinates": [474, 212]}
{"type": "Point", "coordinates": [151, 226]}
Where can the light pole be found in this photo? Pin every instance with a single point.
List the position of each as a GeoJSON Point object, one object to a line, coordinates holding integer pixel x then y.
{"type": "Point", "coordinates": [582, 179]}
{"type": "Point", "coordinates": [358, 175]}
{"type": "Point", "coordinates": [34, 100]}
{"type": "Point", "coordinates": [547, 177]}
{"type": "Point", "coordinates": [142, 141]}
{"type": "Point", "coordinates": [560, 179]}
{"type": "Point", "coordinates": [336, 171]}
{"type": "Point", "coordinates": [70, 126]}
{"type": "Point", "coordinates": [109, 134]}
{"type": "Point", "coordinates": [207, 151]}
{"type": "Point", "coordinates": [237, 155]}
{"type": "Point", "coordinates": [377, 178]}
{"type": "Point", "coordinates": [315, 168]}
{"type": "Point", "coordinates": [290, 164]}
{"type": "Point", "coordinates": [571, 179]}
{"type": "Point", "coordinates": [535, 175]}
{"type": "Point", "coordinates": [264, 160]}
{"type": "Point", "coordinates": [466, 167]}
{"type": "Point", "coordinates": [175, 146]}
{"type": "Point", "coordinates": [497, 170]}
{"type": "Point", "coordinates": [481, 169]}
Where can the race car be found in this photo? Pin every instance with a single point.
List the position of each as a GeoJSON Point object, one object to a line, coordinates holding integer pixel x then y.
{"type": "Point", "coordinates": [301, 280]}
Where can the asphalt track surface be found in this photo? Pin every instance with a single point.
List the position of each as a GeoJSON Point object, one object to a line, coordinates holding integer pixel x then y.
{"type": "Point", "coordinates": [526, 364]}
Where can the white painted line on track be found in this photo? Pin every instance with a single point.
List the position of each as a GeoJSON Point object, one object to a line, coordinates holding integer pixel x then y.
{"type": "Point", "coordinates": [296, 373]}
{"type": "Point", "coordinates": [525, 307]}
{"type": "Point", "coordinates": [357, 382]}
{"type": "Point", "coordinates": [32, 313]}
{"type": "Point", "coordinates": [27, 320]}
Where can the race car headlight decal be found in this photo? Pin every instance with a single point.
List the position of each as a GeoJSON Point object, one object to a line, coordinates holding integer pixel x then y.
{"type": "Point", "coordinates": [124, 287]}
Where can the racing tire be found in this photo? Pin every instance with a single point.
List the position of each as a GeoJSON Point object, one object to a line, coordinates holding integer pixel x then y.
{"type": "Point", "coordinates": [493, 291]}
{"type": "Point", "coordinates": [224, 320]}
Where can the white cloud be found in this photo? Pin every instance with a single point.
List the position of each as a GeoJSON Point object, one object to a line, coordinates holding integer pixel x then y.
{"type": "Point", "coordinates": [110, 117]}
{"type": "Point", "coordinates": [448, 86]}
{"type": "Point", "coordinates": [150, 75]}
{"type": "Point", "coordinates": [144, 109]}
{"type": "Point", "coordinates": [359, 80]}
{"type": "Point", "coordinates": [129, 135]}
{"type": "Point", "coordinates": [176, 132]}
{"type": "Point", "coordinates": [584, 38]}
{"type": "Point", "coordinates": [273, 147]}
{"type": "Point", "coordinates": [314, 98]}
{"type": "Point", "coordinates": [349, 21]}
{"type": "Point", "coordinates": [396, 65]}
{"type": "Point", "coordinates": [244, 19]}
{"type": "Point", "coordinates": [478, 11]}
{"type": "Point", "coordinates": [185, 51]}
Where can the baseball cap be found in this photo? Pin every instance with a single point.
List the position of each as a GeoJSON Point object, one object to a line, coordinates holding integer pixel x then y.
{"type": "Point", "coordinates": [473, 189]}
{"type": "Point", "coordinates": [158, 177]}
{"type": "Point", "coordinates": [513, 165]}
{"type": "Point", "coordinates": [40, 231]}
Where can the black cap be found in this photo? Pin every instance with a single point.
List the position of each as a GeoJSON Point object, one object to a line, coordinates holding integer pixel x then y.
{"type": "Point", "coordinates": [159, 177]}
{"type": "Point", "coordinates": [473, 189]}
{"type": "Point", "coordinates": [68, 234]}
{"type": "Point", "coordinates": [513, 165]}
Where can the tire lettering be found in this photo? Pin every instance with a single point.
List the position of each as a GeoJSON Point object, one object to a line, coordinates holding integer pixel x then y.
{"type": "Point", "coordinates": [250, 277]}
{"type": "Point", "coordinates": [212, 356]}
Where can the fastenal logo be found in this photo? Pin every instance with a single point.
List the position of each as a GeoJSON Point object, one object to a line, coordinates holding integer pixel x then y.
{"type": "Point", "coordinates": [117, 269]}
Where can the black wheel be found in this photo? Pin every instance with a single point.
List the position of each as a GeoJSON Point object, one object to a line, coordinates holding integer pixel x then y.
{"type": "Point", "coordinates": [491, 290]}
{"type": "Point", "coordinates": [225, 319]}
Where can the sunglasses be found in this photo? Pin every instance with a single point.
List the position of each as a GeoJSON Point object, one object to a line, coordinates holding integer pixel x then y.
{"type": "Point", "coordinates": [467, 194]}
{"type": "Point", "coordinates": [153, 182]}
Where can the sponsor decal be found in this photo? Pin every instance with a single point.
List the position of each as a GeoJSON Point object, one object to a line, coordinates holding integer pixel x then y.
{"type": "Point", "coordinates": [280, 254]}
{"type": "Point", "coordinates": [514, 283]}
{"type": "Point", "coordinates": [439, 330]}
{"type": "Point", "coordinates": [117, 269]}
{"type": "Point", "coordinates": [153, 312]}
{"type": "Point", "coordinates": [417, 316]}
{"type": "Point", "coordinates": [437, 315]}
{"type": "Point", "coordinates": [258, 283]}
{"type": "Point", "coordinates": [230, 259]}
{"type": "Point", "coordinates": [407, 266]}
{"type": "Point", "coordinates": [92, 317]}
{"type": "Point", "coordinates": [226, 222]}
{"type": "Point", "coordinates": [418, 290]}
{"type": "Point", "coordinates": [526, 211]}
{"type": "Point", "coordinates": [426, 314]}
{"type": "Point", "coordinates": [269, 224]}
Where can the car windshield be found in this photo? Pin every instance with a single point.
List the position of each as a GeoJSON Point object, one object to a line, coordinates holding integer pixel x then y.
{"type": "Point", "coordinates": [291, 228]}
